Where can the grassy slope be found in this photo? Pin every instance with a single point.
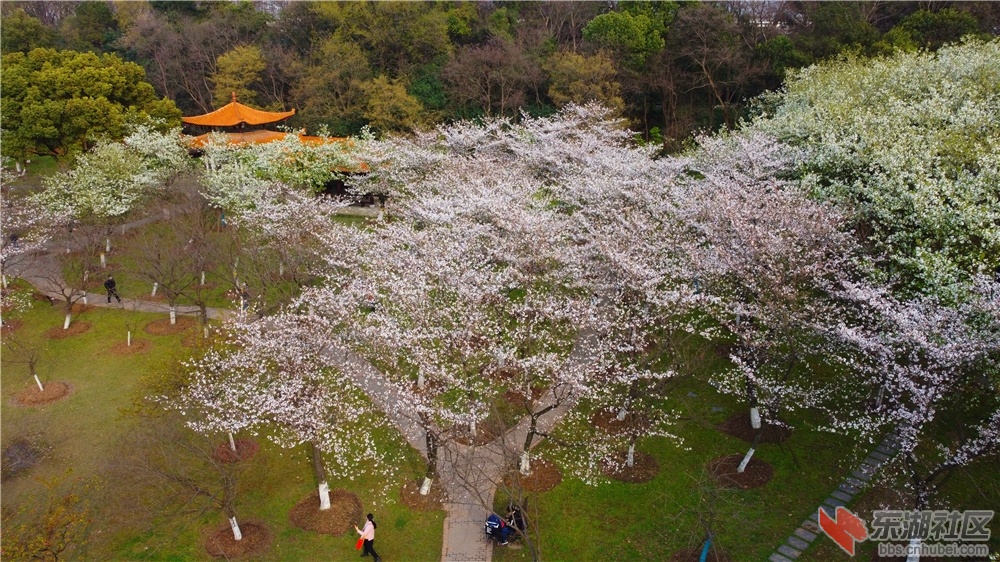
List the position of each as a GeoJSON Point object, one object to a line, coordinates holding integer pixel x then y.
{"type": "Point", "coordinates": [81, 432]}
{"type": "Point", "coordinates": [611, 522]}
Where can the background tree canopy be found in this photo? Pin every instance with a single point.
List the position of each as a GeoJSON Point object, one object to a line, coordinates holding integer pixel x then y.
{"type": "Point", "coordinates": [61, 102]}
{"type": "Point", "coordinates": [669, 68]}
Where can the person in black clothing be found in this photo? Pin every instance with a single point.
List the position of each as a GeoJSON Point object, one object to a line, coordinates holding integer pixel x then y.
{"type": "Point", "coordinates": [112, 291]}
{"type": "Point", "coordinates": [515, 519]}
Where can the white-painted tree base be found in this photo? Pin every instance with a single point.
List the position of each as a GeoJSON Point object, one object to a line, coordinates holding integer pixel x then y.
{"type": "Point", "coordinates": [324, 496]}
{"type": "Point", "coordinates": [425, 488]}
{"type": "Point", "coordinates": [746, 460]}
{"type": "Point", "coordinates": [173, 316]}
{"type": "Point", "coordinates": [237, 534]}
{"type": "Point", "coordinates": [66, 322]}
{"type": "Point", "coordinates": [525, 467]}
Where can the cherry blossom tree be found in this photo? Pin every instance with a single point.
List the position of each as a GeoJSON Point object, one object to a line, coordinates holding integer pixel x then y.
{"type": "Point", "coordinates": [411, 302]}
{"type": "Point", "coordinates": [276, 242]}
{"type": "Point", "coordinates": [913, 166]}
{"type": "Point", "coordinates": [237, 176]}
{"type": "Point", "coordinates": [113, 178]}
{"type": "Point", "coordinates": [25, 231]}
{"type": "Point", "coordinates": [276, 377]}
{"type": "Point", "coordinates": [768, 260]}
{"type": "Point", "coordinates": [929, 371]}
{"type": "Point", "coordinates": [549, 192]}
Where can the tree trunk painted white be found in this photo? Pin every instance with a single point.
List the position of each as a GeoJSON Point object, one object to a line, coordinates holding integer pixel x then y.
{"type": "Point", "coordinates": [86, 276]}
{"type": "Point", "coordinates": [281, 269]}
{"type": "Point", "coordinates": [232, 442]}
{"type": "Point", "coordinates": [202, 277]}
{"type": "Point", "coordinates": [204, 332]}
{"type": "Point", "coordinates": [746, 460]}
{"type": "Point", "coordinates": [630, 458]}
{"type": "Point", "coordinates": [755, 418]}
{"type": "Point", "coordinates": [129, 339]}
{"type": "Point", "coordinates": [525, 463]}
{"type": "Point", "coordinates": [104, 260]}
{"type": "Point", "coordinates": [4, 277]}
{"type": "Point", "coordinates": [123, 229]}
{"type": "Point", "coordinates": [107, 245]}
{"type": "Point", "coordinates": [324, 496]}
{"type": "Point", "coordinates": [155, 285]}
{"type": "Point", "coordinates": [621, 414]}
{"type": "Point", "coordinates": [39, 383]}
{"type": "Point", "coordinates": [66, 322]}
{"type": "Point", "coordinates": [173, 315]}
{"type": "Point", "coordinates": [237, 534]}
{"type": "Point", "coordinates": [84, 300]}
{"type": "Point", "coordinates": [914, 550]}
{"type": "Point", "coordinates": [420, 380]}
{"type": "Point", "coordinates": [472, 429]}
{"type": "Point", "coordinates": [425, 488]}
{"type": "Point", "coordinates": [17, 167]}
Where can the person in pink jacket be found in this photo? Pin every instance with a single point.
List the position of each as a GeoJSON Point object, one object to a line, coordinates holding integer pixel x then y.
{"type": "Point", "coordinates": [368, 534]}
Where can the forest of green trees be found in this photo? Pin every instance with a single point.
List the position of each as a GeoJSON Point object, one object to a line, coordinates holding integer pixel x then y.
{"type": "Point", "coordinates": [670, 68]}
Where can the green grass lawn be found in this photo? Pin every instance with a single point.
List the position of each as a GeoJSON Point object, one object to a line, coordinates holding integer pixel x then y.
{"type": "Point", "coordinates": [650, 521]}
{"type": "Point", "coordinates": [84, 431]}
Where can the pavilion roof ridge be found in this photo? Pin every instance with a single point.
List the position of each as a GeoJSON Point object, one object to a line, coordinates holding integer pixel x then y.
{"type": "Point", "coordinates": [235, 113]}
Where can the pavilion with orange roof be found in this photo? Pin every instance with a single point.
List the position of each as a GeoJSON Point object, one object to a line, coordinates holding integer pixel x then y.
{"type": "Point", "coordinates": [233, 120]}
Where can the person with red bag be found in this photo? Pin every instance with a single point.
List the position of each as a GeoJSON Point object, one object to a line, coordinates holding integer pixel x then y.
{"type": "Point", "coordinates": [368, 536]}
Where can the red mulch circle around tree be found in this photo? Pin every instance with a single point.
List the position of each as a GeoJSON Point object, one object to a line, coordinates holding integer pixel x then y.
{"type": "Point", "coordinates": [410, 494]}
{"type": "Point", "coordinates": [544, 476]}
{"type": "Point", "coordinates": [75, 329]}
{"type": "Point", "coordinates": [256, 540]}
{"type": "Point", "coordinates": [163, 327]}
{"type": "Point", "coordinates": [516, 399]}
{"type": "Point", "coordinates": [644, 467]}
{"type": "Point", "coordinates": [31, 396]}
{"type": "Point", "coordinates": [738, 425]}
{"type": "Point", "coordinates": [607, 421]}
{"type": "Point", "coordinates": [693, 554]}
{"type": "Point", "coordinates": [123, 348]}
{"type": "Point", "coordinates": [756, 474]}
{"type": "Point", "coordinates": [245, 450]}
{"type": "Point", "coordinates": [345, 512]}
{"type": "Point", "coordinates": [10, 326]}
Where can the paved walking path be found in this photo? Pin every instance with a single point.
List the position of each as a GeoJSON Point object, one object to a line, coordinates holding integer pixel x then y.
{"type": "Point", "coordinates": [468, 475]}
{"type": "Point", "coordinates": [809, 530]}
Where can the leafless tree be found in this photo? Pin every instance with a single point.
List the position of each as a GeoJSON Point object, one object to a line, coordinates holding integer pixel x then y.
{"type": "Point", "coordinates": [165, 469]}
